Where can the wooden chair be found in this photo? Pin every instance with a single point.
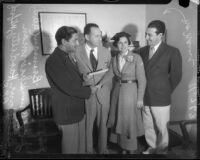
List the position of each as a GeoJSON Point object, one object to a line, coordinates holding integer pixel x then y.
{"type": "Point", "coordinates": [41, 125]}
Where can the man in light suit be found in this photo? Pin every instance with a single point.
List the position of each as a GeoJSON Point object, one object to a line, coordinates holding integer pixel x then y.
{"type": "Point", "coordinates": [91, 57]}
{"type": "Point", "coordinates": [163, 67]}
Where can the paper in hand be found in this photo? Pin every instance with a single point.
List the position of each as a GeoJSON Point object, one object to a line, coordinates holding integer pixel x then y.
{"type": "Point", "coordinates": [98, 72]}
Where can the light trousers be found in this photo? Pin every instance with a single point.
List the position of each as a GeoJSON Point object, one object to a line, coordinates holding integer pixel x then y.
{"type": "Point", "coordinates": [155, 120]}
{"type": "Point", "coordinates": [73, 138]}
{"type": "Point", "coordinates": [95, 110]}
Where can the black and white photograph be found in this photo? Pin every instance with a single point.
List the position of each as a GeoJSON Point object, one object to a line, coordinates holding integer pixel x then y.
{"type": "Point", "coordinates": [99, 80]}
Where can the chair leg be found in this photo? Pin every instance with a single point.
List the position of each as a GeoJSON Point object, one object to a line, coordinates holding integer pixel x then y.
{"type": "Point", "coordinates": [22, 144]}
{"type": "Point", "coordinates": [42, 146]}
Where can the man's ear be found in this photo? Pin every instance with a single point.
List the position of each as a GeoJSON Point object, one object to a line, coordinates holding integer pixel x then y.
{"type": "Point", "coordinates": [87, 37]}
{"type": "Point", "coordinates": [160, 35]}
{"type": "Point", "coordinates": [63, 41]}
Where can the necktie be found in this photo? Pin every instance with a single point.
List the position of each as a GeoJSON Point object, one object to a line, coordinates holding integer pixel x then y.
{"type": "Point", "coordinates": [151, 52]}
{"type": "Point", "coordinates": [93, 60]}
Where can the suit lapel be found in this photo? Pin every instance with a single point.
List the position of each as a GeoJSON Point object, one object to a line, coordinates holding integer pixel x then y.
{"type": "Point", "coordinates": [72, 64]}
{"type": "Point", "coordinates": [100, 58]}
{"type": "Point", "coordinates": [156, 56]}
{"type": "Point", "coordinates": [116, 66]}
{"type": "Point", "coordinates": [64, 56]}
{"type": "Point", "coordinates": [117, 63]}
{"type": "Point", "coordinates": [146, 55]}
{"type": "Point", "coordinates": [85, 59]}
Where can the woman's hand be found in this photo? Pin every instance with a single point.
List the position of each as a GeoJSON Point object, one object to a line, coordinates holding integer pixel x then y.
{"type": "Point", "coordinates": [140, 104]}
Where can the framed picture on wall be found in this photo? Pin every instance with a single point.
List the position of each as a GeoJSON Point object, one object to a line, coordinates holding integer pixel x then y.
{"type": "Point", "coordinates": [49, 23]}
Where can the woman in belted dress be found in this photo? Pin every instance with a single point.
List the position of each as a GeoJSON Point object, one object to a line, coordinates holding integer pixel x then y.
{"type": "Point", "coordinates": [125, 119]}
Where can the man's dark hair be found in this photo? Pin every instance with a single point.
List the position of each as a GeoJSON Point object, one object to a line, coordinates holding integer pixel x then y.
{"type": "Point", "coordinates": [64, 32]}
{"type": "Point", "coordinates": [159, 25]}
{"type": "Point", "coordinates": [87, 28]}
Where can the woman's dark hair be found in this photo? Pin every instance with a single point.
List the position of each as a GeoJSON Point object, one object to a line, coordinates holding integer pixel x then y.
{"type": "Point", "coordinates": [159, 25]}
{"type": "Point", "coordinates": [64, 32]}
{"type": "Point", "coordinates": [117, 36]}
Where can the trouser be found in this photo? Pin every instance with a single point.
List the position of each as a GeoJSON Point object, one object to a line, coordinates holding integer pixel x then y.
{"type": "Point", "coordinates": [98, 112]}
{"type": "Point", "coordinates": [73, 138]}
{"type": "Point", "coordinates": [155, 120]}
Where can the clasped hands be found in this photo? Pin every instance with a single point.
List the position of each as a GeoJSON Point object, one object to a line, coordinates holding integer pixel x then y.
{"type": "Point", "coordinates": [95, 88]}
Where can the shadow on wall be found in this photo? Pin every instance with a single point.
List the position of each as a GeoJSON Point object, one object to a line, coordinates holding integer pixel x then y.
{"type": "Point", "coordinates": [32, 68]}
{"type": "Point", "coordinates": [180, 109]}
{"type": "Point", "coordinates": [132, 30]}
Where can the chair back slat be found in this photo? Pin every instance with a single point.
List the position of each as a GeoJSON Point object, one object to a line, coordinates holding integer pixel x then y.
{"type": "Point", "coordinates": [40, 105]}
{"type": "Point", "coordinates": [49, 103]}
{"type": "Point", "coordinates": [40, 101]}
{"type": "Point", "coordinates": [37, 106]}
{"type": "Point", "coordinates": [43, 106]}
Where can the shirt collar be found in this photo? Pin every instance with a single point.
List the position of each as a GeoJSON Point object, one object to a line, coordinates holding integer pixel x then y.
{"type": "Point", "coordinates": [88, 48]}
{"type": "Point", "coordinates": [124, 54]}
{"type": "Point", "coordinates": [156, 46]}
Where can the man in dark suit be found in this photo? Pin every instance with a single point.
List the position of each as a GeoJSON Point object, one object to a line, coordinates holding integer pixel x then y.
{"type": "Point", "coordinates": [163, 67]}
{"type": "Point", "coordinates": [68, 94]}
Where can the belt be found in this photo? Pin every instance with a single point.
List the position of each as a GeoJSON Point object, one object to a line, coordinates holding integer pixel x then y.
{"type": "Point", "coordinates": [125, 81]}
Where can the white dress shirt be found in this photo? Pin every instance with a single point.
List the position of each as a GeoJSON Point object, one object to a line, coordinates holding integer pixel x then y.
{"type": "Point", "coordinates": [88, 49]}
{"type": "Point", "coordinates": [156, 46]}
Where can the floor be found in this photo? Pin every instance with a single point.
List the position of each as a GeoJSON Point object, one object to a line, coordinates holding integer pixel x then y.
{"type": "Point", "coordinates": [114, 152]}
{"type": "Point", "coordinates": [53, 151]}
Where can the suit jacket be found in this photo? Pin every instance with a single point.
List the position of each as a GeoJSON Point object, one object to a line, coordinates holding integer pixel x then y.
{"type": "Point", "coordinates": [163, 74]}
{"type": "Point", "coordinates": [68, 94]}
{"type": "Point", "coordinates": [85, 67]}
{"type": "Point", "coordinates": [131, 71]}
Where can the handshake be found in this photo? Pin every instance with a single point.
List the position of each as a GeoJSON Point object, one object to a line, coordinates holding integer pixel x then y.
{"type": "Point", "coordinates": [95, 88]}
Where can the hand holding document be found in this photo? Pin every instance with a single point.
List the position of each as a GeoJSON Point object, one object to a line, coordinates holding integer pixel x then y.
{"type": "Point", "coordinates": [99, 86]}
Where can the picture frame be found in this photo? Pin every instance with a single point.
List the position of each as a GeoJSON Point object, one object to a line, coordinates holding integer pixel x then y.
{"type": "Point", "coordinates": [50, 22]}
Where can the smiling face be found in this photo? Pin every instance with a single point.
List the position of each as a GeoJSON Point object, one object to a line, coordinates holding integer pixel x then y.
{"type": "Point", "coordinates": [123, 44]}
{"type": "Point", "coordinates": [152, 37]}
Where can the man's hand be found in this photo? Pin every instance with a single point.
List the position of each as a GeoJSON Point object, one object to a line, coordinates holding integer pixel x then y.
{"type": "Point", "coordinates": [93, 89]}
{"type": "Point", "coordinates": [99, 86]}
{"type": "Point", "coordinates": [89, 76]}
